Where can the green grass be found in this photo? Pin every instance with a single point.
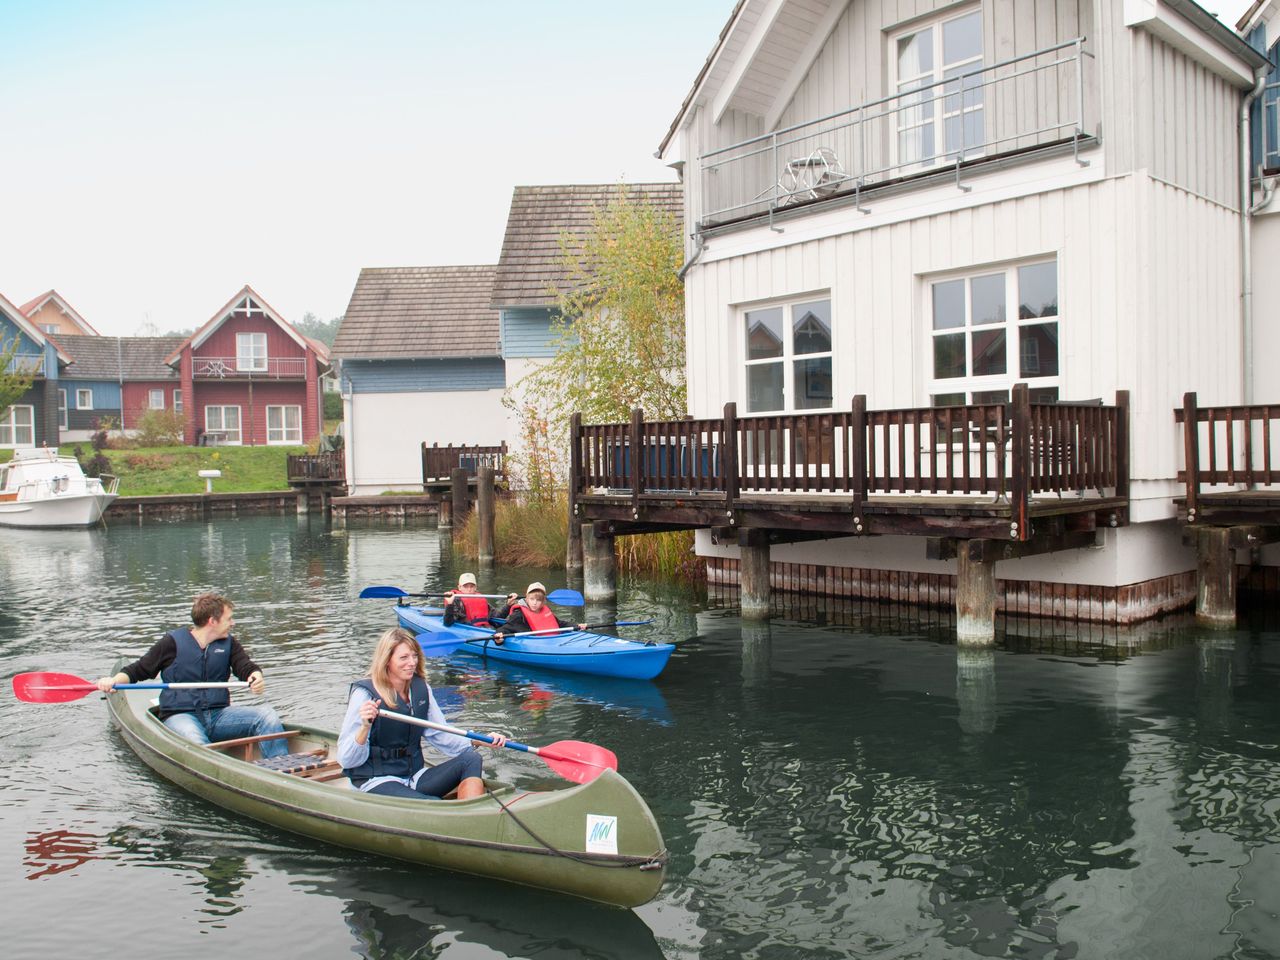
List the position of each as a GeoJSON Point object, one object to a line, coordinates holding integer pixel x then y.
{"type": "Point", "coordinates": [162, 470]}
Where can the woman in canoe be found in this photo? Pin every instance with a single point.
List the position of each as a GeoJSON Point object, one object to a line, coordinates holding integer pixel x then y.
{"type": "Point", "coordinates": [532, 613]}
{"type": "Point", "coordinates": [383, 756]}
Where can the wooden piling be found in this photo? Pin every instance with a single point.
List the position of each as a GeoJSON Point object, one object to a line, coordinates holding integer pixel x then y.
{"type": "Point", "coordinates": [753, 574]}
{"type": "Point", "coordinates": [461, 500]}
{"type": "Point", "coordinates": [485, 506]}
{"type": "Point", "coordinates": [1215, 577]}
{"type": "Point", "coordinates": [975, 595]}
{"type": "Point", "coordinates": [599, 565]}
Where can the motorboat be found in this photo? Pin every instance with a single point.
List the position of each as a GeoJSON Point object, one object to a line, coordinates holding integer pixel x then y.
{"type": "Point", "coordinates": [42, 488]}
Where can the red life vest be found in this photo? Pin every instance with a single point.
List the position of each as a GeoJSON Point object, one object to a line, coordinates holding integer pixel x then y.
{"type": "Point", "coordinates": [544, 619]}
{"type": "Point", "coordinates": [476, 608]}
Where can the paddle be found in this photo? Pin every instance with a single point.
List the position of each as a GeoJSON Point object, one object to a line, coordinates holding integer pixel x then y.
{"type": "Point", "coordinates": [442, 643]}
{"type": "Point", "coordinates": [572, 759]}
{"type": "Point", "coordinates": [568, 598]}
{"type": "Point", "coordinates": [65, 687]}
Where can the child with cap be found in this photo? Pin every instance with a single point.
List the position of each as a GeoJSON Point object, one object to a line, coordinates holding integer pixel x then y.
{"type": "Point", "coordinates": [465, 604]}
{"type": "Point", "coordinates": [532, 613]}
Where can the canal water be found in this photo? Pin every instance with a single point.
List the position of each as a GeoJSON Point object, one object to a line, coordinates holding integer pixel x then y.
{"type": "Point", "coordinates": [844, 784]}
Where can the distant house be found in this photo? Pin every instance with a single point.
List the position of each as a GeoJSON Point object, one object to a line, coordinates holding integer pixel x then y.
{"type": "Point", "coordinates": [52, 314]}
{"type": "Point", "coordinates": [115, 377]}
{"type": "Point", "coordinates": [248, 377]}
{"type": "Point", "coordinates": [33, 419]}
{"type": "Point", "coordinates": [419, 359]}
{"type": "Point", "coordinates": [531, 273]}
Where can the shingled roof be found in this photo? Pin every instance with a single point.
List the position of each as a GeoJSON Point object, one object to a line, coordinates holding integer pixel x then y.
{"type": "Point", "coordinates": [420, 312]}
{"type": "Point", "coordinates": [118, 358]}
{"type": "Point", "coordinates": [531, 270]}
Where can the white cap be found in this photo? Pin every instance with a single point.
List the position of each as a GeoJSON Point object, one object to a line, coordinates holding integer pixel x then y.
{"type": "Point", "coordinates": [467, 578]}
{"type": "Point", "coordinates": [535, 586]}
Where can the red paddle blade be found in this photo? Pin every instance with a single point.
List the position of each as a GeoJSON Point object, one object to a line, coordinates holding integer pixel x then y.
{"type": "Point", "coordinates": [51, 687]}
{"type": "Point", "coordinates": [578, 761]}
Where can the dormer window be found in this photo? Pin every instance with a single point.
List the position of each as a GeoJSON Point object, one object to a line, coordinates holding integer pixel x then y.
{"type": "Point", "coordinates": [251, 351]}
{"type": "Point", "coordinates": [943, 121]}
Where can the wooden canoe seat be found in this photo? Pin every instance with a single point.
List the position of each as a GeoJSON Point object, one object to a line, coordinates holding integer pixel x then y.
{"type": "Point", "coordinates": [310, 765]}
{"type": "Point", "coordinates": [246, 744]}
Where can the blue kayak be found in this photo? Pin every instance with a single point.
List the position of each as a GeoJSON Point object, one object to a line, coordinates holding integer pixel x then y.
{"type": "Point", "coordinates": [573, 650]}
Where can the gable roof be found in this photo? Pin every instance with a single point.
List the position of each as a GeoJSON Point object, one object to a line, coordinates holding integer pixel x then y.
{"type": "Point", "coordinates": [19, 319]}
{"type": "Point", "coordinates": [119, 358]}
{"type": "Point", "coordinates": [224, 314]}
{"type": "Point", "coordinates": [531, 270]}
{"type": "Point", "coordinates": [420, 313]}
{"type": "Point", "coordinates": [36, 303]}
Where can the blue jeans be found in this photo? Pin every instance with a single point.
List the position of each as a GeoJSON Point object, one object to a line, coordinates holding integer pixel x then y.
{"type": "Point", "coordinates": [230, 723]}
{"type": "Point", "coordinates": [435, 782]}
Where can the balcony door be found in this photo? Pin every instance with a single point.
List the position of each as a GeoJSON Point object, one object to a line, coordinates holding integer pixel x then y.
{"type": "Point", "coordinates": [939, 107]}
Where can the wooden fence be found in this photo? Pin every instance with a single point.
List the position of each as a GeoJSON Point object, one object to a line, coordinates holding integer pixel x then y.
{"type": "Point", "coordinates": [438, 463]}
{"type": "Point", "coordinates": [1227, 445]}
{"type": "Point", "coordinates": [317, 468]}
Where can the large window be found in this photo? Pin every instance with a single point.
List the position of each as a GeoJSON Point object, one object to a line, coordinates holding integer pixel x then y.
{"type": "Point", "coordinates": [18, 427]}
{"type": "Point", "coordinates": [284, 424]}
{"type": "Point", "coordinates": [939, 122]}
{"type": "Point", "coordinates": [84, 399]}
{"type": "Point", "coordinates": [788, 357]}
{"type": "Point", "coordinates": [251, 351]}
{"type": "Point", "coordinates": [991, 329]}
{"type": "Point", "coordinates": [223, 420]}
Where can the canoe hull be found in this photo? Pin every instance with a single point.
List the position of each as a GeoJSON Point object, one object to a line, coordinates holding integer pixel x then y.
{"type": "Point", "coordinates": [577, 652]}
{"type": "Point", "coordinates": [475, 836]}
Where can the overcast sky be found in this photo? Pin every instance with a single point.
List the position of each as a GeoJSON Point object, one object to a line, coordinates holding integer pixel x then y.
{"type": "Point", "coordinates": [157, 155]}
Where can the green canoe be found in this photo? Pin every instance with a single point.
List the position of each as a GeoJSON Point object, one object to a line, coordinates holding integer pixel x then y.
{"type": "Point", "coordinates": [597, 840]}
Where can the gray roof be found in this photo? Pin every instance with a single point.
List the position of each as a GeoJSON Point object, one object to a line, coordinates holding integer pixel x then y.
{"type": "Point", "coordinates": [531, 270]}
{"type": "Point", "coordinates": [118, 358]}
{"type": "Point", "coordinates": [420, 312]}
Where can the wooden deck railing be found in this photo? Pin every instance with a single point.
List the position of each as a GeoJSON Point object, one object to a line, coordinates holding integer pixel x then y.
{"type": "Point", "coordinates": [438, 463]}
{"type": "Point", "coordinates": [1011, 450]}
{"type": "Point", "coordinates": [317, 468]}
{"type": "Point", "coordinates": [1227, 445]}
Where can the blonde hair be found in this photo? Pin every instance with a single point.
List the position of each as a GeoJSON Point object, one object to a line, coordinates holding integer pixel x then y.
{"type": "Point", "coordinates": [382, 654]}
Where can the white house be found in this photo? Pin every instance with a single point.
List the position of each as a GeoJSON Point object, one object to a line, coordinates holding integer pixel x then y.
{"type": "Point", "coordinates": [928, 202]}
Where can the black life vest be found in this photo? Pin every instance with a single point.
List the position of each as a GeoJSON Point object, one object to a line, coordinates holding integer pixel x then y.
{"type": "Point", "coordinates": [476, 609]}
{"type": "Point", "coordinates": [544, 619]}
{"type": "Point", "coordinates": [394, 748]}
{"type": "Point", "coordinates": [196, 665]}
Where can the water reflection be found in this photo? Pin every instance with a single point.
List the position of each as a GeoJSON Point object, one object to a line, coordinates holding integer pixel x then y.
{"type": "Point", "coordinates": [976, 689]}
{"type": "Point", "coordinates": [57, 851]}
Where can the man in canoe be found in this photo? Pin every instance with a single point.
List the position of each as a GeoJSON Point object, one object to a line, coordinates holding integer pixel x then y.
{"type": "Point", "coordinates": [205, 652]}
{"type": "Point", "coordinates": [465, 605]}
{"type": "Point", "coordinates": [531, 613]}
{"type": "Point", "coordinates": [383, 756]}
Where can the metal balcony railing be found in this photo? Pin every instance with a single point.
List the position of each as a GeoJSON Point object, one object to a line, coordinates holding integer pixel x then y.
{"type": "Point", "coordinates": [257, 368]}
{"type": "Point", "coordinates": [1030, 101]}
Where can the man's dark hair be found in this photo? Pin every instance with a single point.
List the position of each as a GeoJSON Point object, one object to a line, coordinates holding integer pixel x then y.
{"type": "Point", "coordinates": [209, 606]}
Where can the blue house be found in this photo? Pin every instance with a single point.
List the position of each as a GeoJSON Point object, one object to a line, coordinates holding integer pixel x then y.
{"type": "Point", "coordinates": [33, 420]}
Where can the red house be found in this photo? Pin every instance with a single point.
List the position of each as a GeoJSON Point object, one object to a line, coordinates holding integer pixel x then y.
{"type": "Point", "coordinates": [248, 377]}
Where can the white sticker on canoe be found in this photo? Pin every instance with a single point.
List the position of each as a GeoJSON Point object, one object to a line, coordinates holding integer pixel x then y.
{"type": "Point", "coordinates": [602, 834]}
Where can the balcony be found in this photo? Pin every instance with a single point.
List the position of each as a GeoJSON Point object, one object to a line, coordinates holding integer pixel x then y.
{"type": "Point", "coordinates": [1030, 103]}
{"type": "Point", "coordinates": [25, 364]}
{"type": "Point", "coordinates": [246, 368]}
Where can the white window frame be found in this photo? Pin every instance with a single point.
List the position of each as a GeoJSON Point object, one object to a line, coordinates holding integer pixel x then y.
{"type": "Point", "coordinates": [177, 400]}
{"type": "Point", "coordinates": [1011, 325]}
{"type": "Point", "coordinates": [50, 328]}
{"type": "Point", "coordinates": [222, 419]}
{"type": "Point", "coordinates": [788, 358]}
{"type": "Point", "coordinates": [9, 427]}
{"type": "Point", "coordinates": [282, 435]}
{"type": "Point", "coordinates": [62, 408]}
{"type": "Point", "coordinates": [251, 352]}
{"type": "Point", "coordinates": [153, 394]}
{"type": "Point", "coordinates": [81, 402]}
{"type": "Point", "coordinates": [938, 96]}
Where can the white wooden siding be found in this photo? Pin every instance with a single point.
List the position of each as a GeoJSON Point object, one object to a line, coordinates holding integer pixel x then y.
{"type": "Point", "coordinates": [1141, 308]}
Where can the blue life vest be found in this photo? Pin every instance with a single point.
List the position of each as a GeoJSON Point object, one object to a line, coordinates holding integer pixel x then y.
{"type": "Point", "coordinates": [194, 665]}
{"type": "Point", "coordinates": [394, 748]}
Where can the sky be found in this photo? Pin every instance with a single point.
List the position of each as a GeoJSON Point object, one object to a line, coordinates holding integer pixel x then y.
{"type": "Point", "coordinates": [158, 156]}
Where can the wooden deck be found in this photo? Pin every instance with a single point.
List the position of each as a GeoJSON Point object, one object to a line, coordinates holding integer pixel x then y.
{"type": "Point", "coordinates": [1037, 476]}
{"type": "Point", "coordinates": [1232, 473]}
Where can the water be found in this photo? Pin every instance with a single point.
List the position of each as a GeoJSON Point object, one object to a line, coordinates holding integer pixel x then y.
{"type": "Point", "coordinates": [824, 790]}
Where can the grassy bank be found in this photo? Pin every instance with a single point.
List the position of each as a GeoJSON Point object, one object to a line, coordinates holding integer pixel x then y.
{"type": "Point", "coordinates": [149, 471]}
{"type": "Point", "coordinates": [537, 535]}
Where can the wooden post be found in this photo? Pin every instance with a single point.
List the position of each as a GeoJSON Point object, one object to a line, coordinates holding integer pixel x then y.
{"type": "Point", "coordinates": [485, 504]}
{"type": "Point", "coordinates": [461, 502]}
{"type": "Point", "coordinates": [573, 551]}
{"type": "Point", "coordinates": [304, 502]}
{"type": "Point", "coordinates": [1215, 577]}
{"type": "Point", "coordinates": [1019, 469]}
{"type": "Point", "coordinates": [599, 566]}
{"type": "Point", "coordinates": [637, 460]}
{"type": "Point", "coordinates": [1191, 451]}
{"type": "Point", "coordinates": [858, 459]}
{"type": "Point", "coordinates": [444, 513]}
{"type": "Point", "coordinates": [1122, 443]}
{"type": "Point", "coordinates": [975, 595]}
{"type": "Point", "coordinates": [729, 457]}
{"type": "Point", "coordinates": [753, 574]}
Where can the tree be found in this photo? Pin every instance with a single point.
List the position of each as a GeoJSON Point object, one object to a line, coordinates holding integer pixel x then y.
{"type": "Point", "coordinates": [323, 330]}
{"type": "Point", "coordinates": [618, 333]}
{"type": "Point", "coordinates": [16, 376]}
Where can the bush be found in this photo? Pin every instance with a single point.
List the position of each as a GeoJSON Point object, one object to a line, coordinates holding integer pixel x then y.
{"type": "Point", "coordinates": [332, 405]}
{"type": "Point", "coordinates": [160, 428]}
